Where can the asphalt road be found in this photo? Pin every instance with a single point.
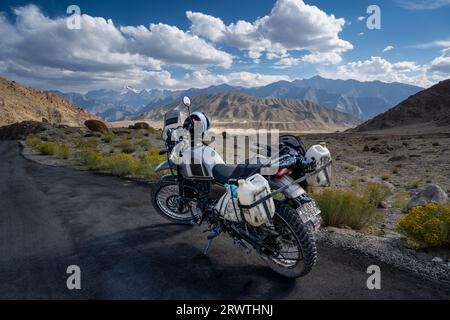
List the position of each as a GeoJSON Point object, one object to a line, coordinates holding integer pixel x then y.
{"type": "Point", "coordinates": [53, 217]}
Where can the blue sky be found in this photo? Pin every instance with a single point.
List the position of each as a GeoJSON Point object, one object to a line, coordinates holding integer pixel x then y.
{"type": "Point", "coordinates": [179, 43]}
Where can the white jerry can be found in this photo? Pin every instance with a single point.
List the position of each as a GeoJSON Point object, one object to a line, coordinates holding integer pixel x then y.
{"type": "Point", "coordinates": [322, 156]}
{"type": "Point", "coordinates": [228, 205]}
{"type": "Point", "coordinates": [251, 190]}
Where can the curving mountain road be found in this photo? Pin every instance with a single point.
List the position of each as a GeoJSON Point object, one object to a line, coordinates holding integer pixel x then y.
{"type": "Point", "coordinates": [53, 217]}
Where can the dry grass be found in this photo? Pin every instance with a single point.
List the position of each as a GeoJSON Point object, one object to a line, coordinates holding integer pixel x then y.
{"type": "Point", "coordinates": [48, 148]}
{"type": "Point", "coordinates": [127, 146]}
{"type": "Point", "coordinates": [415, 184]}
{"type": "Point", "coordinates": [356, 209]}
{"type": "Point", "coordinates": [108, 138]}
{"type": "Point", "coordinates": [341, 208]}
{"type": "Point", "coordinates": [401, 200]}
{"type": "Point", "coordinates": [148, 164]}
{"type": "Point", "coordinates": [33, 141]}
{"type": "Point", "coordinates": [92, 159]}
{"type": "Point", "coordinates": [121, 164]}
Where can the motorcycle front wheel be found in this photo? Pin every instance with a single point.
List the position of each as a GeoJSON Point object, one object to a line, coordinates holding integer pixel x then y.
{"type": "Point", "coordinates": [166, 199]}
{"type": "Point", "coordinates": [296, 251]}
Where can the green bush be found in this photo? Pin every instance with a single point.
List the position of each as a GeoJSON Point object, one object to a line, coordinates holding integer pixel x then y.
{"type": "Point", "coordinates": [401, 200]}
{"type": "Point", "coordinates": [427, 226]}
{"type": "Point", "coordinates": [92, 159]}
{"type": "Point", "coordinates": [63, 151]}
{"type": "Point", "coordinates": [122, 164]}
{"type": "Point", "coordinates": [144, 143]}
{"type": "Point", "coordinates": [86, 143]}
{"type": "Point", "coordinates": [158, 134]}
{"type": "Point", "coordinates": [342, 208]}
{"type": "Point", "coordinates": [48, 148]}
{"type": "Point", "coordinates": [385, 176]}
{"type": "Point", "coordinates": [149, 163]}
{"type": "Point", "coordinates": [356, 181]}
{"type": "Point", "coordinates": [108, 138]}
{"type": "Point", "coordinates": [33, 141]}
{"type": "Point", "coordinates": [127, 146]}
{"type": "Point", "coordinates": [375, 193]}
{"type": "Point", "coordinates": [415, 184]}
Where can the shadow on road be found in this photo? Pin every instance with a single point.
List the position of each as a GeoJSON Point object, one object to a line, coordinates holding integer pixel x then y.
{"type": "Point", "coordinates": [150, 262]}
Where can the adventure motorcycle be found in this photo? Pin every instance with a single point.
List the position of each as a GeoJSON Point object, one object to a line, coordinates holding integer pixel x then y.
{"type": "Point", "coordinates": [238, 200]}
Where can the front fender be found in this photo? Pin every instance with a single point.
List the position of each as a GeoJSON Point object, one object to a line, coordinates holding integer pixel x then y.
{"type": "Point", "coordinates": [166, 165]}
{"type": "Point", "coordinates": [169, 178]}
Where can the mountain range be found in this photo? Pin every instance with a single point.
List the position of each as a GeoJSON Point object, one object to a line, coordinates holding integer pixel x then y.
{"type": "Point", "coordinates": [428, 109]}
{"type": "Point", "coordinates": [360, 99]}
{"type": "Point", "coordinates": [20, 103]}
{"type": "Point", "coordinates": [242, 111]}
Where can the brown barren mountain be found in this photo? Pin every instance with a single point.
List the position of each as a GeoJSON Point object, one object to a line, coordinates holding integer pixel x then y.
{"type": "Point", "coordinates": [20, 103]}
{"type": "Point", "coordinates": [241, 111]}
{"type": "Point", "coordinates": [429, 108]}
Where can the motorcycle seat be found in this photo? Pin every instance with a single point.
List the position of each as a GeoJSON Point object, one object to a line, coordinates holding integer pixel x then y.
{"type": "Point", "coordinates": [222, 172]}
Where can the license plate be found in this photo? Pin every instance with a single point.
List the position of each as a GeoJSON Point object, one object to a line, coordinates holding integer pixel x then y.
{"type": "Point", "coordinates": [309, 211]}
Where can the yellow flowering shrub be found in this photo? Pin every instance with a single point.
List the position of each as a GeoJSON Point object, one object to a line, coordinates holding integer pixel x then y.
{"type": "Point", "coordinates": [121, 164]}
{"type": "Point", "coordinates": [427, 225]}
{"type": "Point", "coordinates": [33, 141]}
{"type": "Point", "coordinates": [149, 163]}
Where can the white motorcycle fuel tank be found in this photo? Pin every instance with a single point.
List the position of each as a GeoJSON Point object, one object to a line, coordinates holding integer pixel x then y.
{"type": "Point", "coordinates": [197, 161]}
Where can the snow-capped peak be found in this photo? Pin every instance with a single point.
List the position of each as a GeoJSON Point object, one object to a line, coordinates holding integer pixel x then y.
{"type": "Point", "coordinates": [128, 88]}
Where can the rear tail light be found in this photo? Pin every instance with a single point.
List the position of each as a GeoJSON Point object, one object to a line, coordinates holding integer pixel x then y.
{"type": "Point", "coordinates": [281, 172]}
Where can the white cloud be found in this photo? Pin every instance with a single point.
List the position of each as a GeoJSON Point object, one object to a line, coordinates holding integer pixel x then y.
{"type": "Point", "coordinates": [206, 26]}
{"type": "Point", "coordinates": [174, 46]}
{"type": "Point", "coordinates": [423, 4]}
{"type": "Point", "coordinates": [441, 64]}
{"type": "Point", "coordinates": [388, 48]}
{"type": "Point", "coordinates": [323, 58]}
{"type": "Point", "coordinates": [433, 44]}
{"type": "Point", "coordinates": [205, 78]}
{"type": "Point", "coordinates": [42, 51]}
{"type": "Point", "coordinates": [287, 62]}
{"type": "Point", "coordinates": [313, 58]}
{"type": "Point", "coordinates": [377, 68]}
{"type": "Point", "coordinates": [292, 25]}
{"type": "Point", "coordinates": [361, 18]}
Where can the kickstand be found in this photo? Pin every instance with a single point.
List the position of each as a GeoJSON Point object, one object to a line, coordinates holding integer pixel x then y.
{"type": "Point", "coordinates": [215, 231]}
{"type": "Point", "coordinates": [205, 252]}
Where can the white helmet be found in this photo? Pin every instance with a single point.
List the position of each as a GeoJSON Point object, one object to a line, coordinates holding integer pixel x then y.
{"type": "Point", "coordinates": [197, 117]}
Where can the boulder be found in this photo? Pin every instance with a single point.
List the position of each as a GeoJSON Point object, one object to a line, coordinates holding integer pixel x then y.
{"type": "Point", "coordinates": [141, 125]}
{"type": "Point", "coordinates": [20, 130]}
{"type": "Point", "coordinates": [96, 126]}
{"type": "Point", "coordinates": [430, 193]}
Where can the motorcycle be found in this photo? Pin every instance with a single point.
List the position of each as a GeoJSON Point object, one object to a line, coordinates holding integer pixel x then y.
{"type": "Point", "coordinates": [277, 222]}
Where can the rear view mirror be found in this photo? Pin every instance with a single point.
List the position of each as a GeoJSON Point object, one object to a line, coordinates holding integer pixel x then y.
{"type": "Point", "coordinates": [187, 101]}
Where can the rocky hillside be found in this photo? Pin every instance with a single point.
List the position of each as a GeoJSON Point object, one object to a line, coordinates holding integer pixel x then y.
{"type": "Point", "coordinates": [241, 111]}
{"type": "Point", "coordinates": [430, 107]}
{"type": "Point", "coordinates": [19, 103]}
